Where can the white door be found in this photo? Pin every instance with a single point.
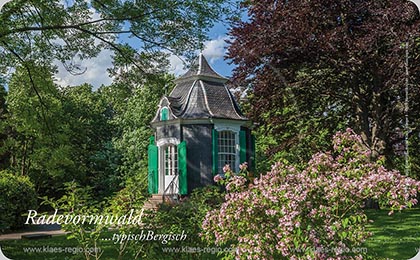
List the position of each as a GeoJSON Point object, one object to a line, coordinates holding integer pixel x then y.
{"type": "Point", "coordinates": [170, 170]}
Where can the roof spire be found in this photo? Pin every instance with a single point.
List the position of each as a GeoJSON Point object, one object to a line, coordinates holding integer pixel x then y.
{"type": "Point", "coordinates": [200, 63]}
{"type": "Point", "coordinates": [201, 68]}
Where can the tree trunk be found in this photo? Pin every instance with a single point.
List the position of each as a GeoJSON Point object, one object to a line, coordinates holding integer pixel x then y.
{"type": "Point", "coordinates": [369, 120]}
{"type": "Point", "coordinates": [378, 120]}
{"type": "Point", "coordinates": [362, 125]}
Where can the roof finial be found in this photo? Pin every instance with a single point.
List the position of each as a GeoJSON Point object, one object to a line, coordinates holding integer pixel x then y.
{"type": "Point", "coordinates": [200, 63]}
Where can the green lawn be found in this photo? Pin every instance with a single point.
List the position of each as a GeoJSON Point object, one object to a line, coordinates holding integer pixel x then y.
{"type": "Point", "coordinates": [394, 237]}
{"type": "Point", "coordinates": [15, 249]}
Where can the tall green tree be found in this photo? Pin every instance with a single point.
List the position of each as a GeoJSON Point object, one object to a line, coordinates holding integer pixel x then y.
{"type": "Point", "coordinates": [4, 154]}
{"type": "Point", "coordinates": [315, 65]}
{"type": "Point", "coordinates": [39, 137]}
{"type": "Point", "coordinates": [133, 120]}
{"type": "Point", "coordinates": [88, 117]}
{"type": "Point", "coordinates": [58, 136]}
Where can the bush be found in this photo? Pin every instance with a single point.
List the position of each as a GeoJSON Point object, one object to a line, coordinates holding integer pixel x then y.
{"type": "Point", "coordinates": [316, 213]}
{"type": "Point", "coordinates": [78, 201]}
{"type": "Point", "coordinates": [178, 218]}
{"type": "Point", "coordinates": [17, 197]}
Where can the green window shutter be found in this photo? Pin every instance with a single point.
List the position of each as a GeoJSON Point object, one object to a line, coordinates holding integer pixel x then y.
{"type": "Point", "coordinates": [164, 114]}
{"type": "Point", "coordinates": [215, 151]}
{"type": "Point", "coordinates": [152, 176]}
{"type": "Point", "coordinates": [182, 167]}
{"type": "Point", "coordinates": [242, 146]}
{"type": "Point", "coordinates": [252, 159]}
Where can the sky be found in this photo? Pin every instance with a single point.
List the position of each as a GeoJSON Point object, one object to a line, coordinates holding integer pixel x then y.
{"type": "Point", "coordinates": [96, 69]}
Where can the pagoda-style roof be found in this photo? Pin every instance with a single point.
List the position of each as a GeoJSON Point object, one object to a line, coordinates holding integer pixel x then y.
{"type": "Point", "coordinates": [201, 68]}
{"type": "Point", "coordinates": [201, 93]}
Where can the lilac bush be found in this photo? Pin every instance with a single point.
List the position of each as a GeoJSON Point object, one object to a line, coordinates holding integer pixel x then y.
{"type": "Point", "coordinates": [315, 213]}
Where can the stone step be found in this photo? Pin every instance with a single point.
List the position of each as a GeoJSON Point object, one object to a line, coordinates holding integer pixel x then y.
{"type": "Point", "coordinates": [153, 202]}
{"type": "Point", "coordinates": [157, 197]}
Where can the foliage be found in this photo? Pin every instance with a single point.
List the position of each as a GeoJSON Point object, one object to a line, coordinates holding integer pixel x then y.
{"type": "Point", "coordinates": [78, 201]}
{"type": "Point", "coordinates": [315, 213]}
{"type": "Point", "coordinates": [38, 140]}
{"type": "Point", "coordinates": [4, 154]}
{"type": "Point", "coordinates": [133, 119]}
{"type": "Point", "coordinates": [184, 217]}
{"type": "Point", "coordinates": [131, 197]}
{"type": "Point", "coordinates": [55, 136]}
{"type": "Point", "coordinates": [88, 118]}
{"type": "Point", "coordinates": [228, 177]}
{"type": "Point", "coordinates": [43, 31]}
{"type": "Point", "coordinates": [17, 197]}
{"type": "Point", "coordinates": [314, 66]}
{"type": "Point", "coordinates": [34, 125]}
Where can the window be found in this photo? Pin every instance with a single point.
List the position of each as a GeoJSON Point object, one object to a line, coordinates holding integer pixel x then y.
{"type": "Point", "coordinates": [170, 156]}
{"type": "Point", "coordinates": [226, 150]}
{"type": "Point", "coordinates": [164, 114]}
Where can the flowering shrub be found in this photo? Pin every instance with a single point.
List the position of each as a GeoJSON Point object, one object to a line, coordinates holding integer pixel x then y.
{"type": "Point", "coordinates": [232, 181]}
{"type": "Point", "coordinates": [316, 213]}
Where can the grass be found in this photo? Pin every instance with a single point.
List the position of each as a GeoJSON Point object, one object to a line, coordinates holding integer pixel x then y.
{"type": "Point", "coordinates": [15, 249]}
{"type": "Point", "coordinates": [394, 237]}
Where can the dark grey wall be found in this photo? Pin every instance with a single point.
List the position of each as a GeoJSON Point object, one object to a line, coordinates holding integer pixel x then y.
{"type": "Point", "coordinates": [199, 150]}
{"type": "Point", "coordinates": [199, 155]}
{"type": "Point", "coordinates": [167, 131]}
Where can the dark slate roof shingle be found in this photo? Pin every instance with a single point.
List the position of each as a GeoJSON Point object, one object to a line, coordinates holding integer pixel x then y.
{"type": "Point", "coordinates": [201, 93]}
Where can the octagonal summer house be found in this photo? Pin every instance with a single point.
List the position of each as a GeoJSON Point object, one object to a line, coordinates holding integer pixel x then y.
{"type": "Point", "coordinates": [199, 128]}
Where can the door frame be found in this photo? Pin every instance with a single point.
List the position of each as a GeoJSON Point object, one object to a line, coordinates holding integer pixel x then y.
{"type": "Point", "coordinates": [162, 144]}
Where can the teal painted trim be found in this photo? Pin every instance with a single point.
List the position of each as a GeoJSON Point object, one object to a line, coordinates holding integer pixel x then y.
{"type": "Point", "coordinates": [152, 173]}
{"type": "Point", "coordinates": [182, 167]}
{"type": "Point", "coordinates": [242, 146]}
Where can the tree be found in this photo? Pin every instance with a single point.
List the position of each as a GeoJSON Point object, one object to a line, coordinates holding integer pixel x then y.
{"type": "Point", "coordinates": [38, 140]}
{"type": "Point", "coordinates": [88, 118]}
{"type": "Point", "coordinates": [314, 213]}
{"type": "Point", "coordinates": [55, 135]}
{"type": "Point", "coordinates": [133, 120]}
{"type": "Point", "coordinates": [4, 154]}
{"type": "Point", "coordinates": [43, 31]}
{"type": "Point", "coordinates": [313, 65]}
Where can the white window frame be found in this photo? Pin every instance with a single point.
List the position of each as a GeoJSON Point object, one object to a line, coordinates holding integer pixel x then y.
{"type": "Point", "coordinates": [226, 145]}
{"type": "Point", "coordinates": [235, 129]}
{"type": "Point", "coordinates": [170, 159]}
